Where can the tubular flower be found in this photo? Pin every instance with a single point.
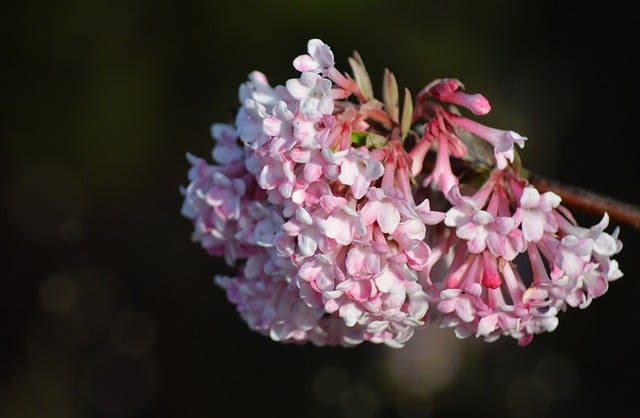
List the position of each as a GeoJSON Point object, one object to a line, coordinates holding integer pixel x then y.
{"type": "Point", "coordinates": [348, 218]}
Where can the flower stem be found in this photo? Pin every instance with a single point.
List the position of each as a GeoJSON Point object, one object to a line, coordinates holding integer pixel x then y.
{"type": "Point", "coordinates": [588, 201]}
{"type": "Point", "coordinates": [572, 196]}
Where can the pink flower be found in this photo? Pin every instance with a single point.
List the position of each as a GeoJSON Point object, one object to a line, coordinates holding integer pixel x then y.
{"type": "Point", "coordinates": [351, 219]}
{"type": "Point", "coordinates": [383, 209]}
{"type": "Point", "coordinates": [273, 308]}
{"type": "Point", "coordinates": [448, 90]}
{"type": "Point", "coordinates": [536, 213]}
{"type": "Point", "coordinates": [442, 176]}
{"type": "Point", "coordinates": [227, 150]}
{"type": "Point", "coordinates": [313, 93]}
{"type": "Point", "coordinates": [319, 58]}
{"type": "Point", "coordinates": [461, 302]}
{"type": "Point", "coordinates": [303, 227]}
{"type": "Point", "coordinates": [257, 88]}
{"type": "Point", "coordinates": [502, 141]}
{"type": "Point", "coordinates": [357, 169]}
{"type": "Point", "coordinates": [215, 204]}
{"type": "Point", "coordinates": [484, 294]}
{"type": "Point", "coordinates": [279, 125]}
{"type": "Point", "coordinates": [486, 228]}
{"type": "Point", "coordinates": [343, 223]}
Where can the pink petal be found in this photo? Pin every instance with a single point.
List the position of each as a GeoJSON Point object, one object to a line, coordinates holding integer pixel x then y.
{"type": "Point", "coordinates": [307, 245]}
{"type": "Point", "coordinates": [304, 63]}
{"type": "Point", "coordinates": [464, 310]}
{"type": "Point", "coordinates": [355, 260]}
{"type": "Point", "coordinates": [388, 218]}
{"type": "Point", "coordinates": [350, 313]}
{"type": "Point", "coordinates": [487, 325]}
{"type": "Point", "coordinates": [532, 226]}
{"type": "Point", "coordinates": [384, 281]}
{"type": "Point", "coordinates": [447, 305]}
{"type": "Point", "coordinates": [530, 197]}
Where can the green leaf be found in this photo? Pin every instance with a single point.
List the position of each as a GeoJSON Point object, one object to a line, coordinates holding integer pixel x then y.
{"type": "Point", "coordinates": [361, 75]}
{"type": "Point", "coordinates": [368, 139]}
{"type": "Point", "coordinates": [358, 139]}
{"type": "Point", "coordinates": [407, 113]}
{"type": "Point", "coordinates": [374, 141]}
{"type": "Point", "coordinates": [390, 95]}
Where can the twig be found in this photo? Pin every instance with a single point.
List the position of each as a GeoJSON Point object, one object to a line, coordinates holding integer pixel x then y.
{"type": "Point", "coordinates": [572, 196]}
{"type": "Point", "coordinates": [589, 201]}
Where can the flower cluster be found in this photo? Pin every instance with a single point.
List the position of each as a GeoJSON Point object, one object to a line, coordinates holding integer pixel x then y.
{"type": "Point", "coordinates": [347, 220]}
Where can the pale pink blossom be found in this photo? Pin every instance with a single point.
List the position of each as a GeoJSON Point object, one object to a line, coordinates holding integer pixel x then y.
{"type": "Point", "coordinates": [249, 121]}
{"type": "Point", "coordinates": [319, 58]}
{"type": "Point", "coordinates": [216, 220]}
{"type": "Point", "coordinates": [273, 308]}
{"type": "Point", "coordinates": [484, 294]}
{"type": "Point", "coordinates": [347, 225]}
{"type": "Point", "coordinates": [257, 88]}
{"type": "Point", "coordinates": [227, 149]}
{"type": "Point", "coordinates": [343, 223]}
{"type": "Point", "coordinates": [501, 140]}
{"type": "Point", "coordinates": [279, 125]}
{"type": "Point", "coordinates": [313, 93]}
{"type": "Point", "coordinates": [383, 209]}
{"type": "Point", "coordinates": [536, 213]}
{"type": "Point", "coordinates": [490, 228]}
{"type": "Point", "coordinates": [356, 169]}
{"type": "Point", "coordinates": [304, 227]}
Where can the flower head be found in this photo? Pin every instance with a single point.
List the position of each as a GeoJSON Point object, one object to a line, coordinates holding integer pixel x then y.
{"type": "Point", "coordinates": [349, 219]}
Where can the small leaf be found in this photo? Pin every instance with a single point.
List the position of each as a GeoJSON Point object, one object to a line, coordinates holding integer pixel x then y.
{"type": "Point", "coordinates": [358, 138]}
{"type": "Point", "coordinates": [374, 141]}
{"type": "Point", "coordinates": [369, 139]}
{"type": "Point", "coordinates": [407, 113]}
{"type": "Point", "coordinates": [390, 95]}
{"type": "Point", "coordinates": [361, 75]}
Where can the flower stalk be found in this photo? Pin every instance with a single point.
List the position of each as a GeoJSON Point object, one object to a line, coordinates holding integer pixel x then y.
{"type": "Point", "coordinates": [588, 200]}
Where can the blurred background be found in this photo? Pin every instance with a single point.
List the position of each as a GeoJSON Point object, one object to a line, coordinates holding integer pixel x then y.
{"type": "Point", "coordinates": [109, 311]}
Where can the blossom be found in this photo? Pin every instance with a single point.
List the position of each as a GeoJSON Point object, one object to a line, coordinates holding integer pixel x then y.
{"type": "Point", "coordinates": [357, 169]}
{"type": "Point", "coordinates": [450, 90]}
{"type": "Point", "coordinates": [319, 58]}
{"type": "Point", "coordinates": [349, 219]}
{"type": "Point", "coordinates": [536, 210]}
{"type": "Point", "coordinates": [485, 294]}
{"type": "Point", "coordinates": [227, 149]}
{"type": "Point", "coordinates": [343, 224]}
{"type": "Point", "coordinates": [313, 93]}
{"type": "Point", "coordinates": [501, 140]}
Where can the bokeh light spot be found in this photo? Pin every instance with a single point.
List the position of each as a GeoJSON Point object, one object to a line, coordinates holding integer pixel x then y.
{"type": "Point", "coordinates": [58, 294]}
{"type": "Point", "coordinates": [428, 362]}
{"type": "Point", "coordinates": [361, 402]}
{"type": "Point", "coordinates": [560, 374]}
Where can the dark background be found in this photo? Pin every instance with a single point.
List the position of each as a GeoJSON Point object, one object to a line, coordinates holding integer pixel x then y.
{"type": "Point", "coordinates": [107, 308]}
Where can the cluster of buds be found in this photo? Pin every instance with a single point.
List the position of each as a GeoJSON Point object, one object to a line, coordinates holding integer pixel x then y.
{"type": "Point", "coordinates": [350, 219]}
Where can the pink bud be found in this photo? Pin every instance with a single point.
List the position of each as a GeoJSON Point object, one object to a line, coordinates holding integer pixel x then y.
{"type": "Point", "coordinates": [450, 90]}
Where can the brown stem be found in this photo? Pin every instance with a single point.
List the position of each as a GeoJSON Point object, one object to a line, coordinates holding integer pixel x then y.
{"type": "Point", "coordinates": [572, 196]}
{"type": "Point", "coordinates": [589, 201]}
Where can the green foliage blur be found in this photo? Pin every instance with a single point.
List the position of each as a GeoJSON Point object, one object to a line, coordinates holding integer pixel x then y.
{"type": "Point", "coordinates": [108, 309]}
